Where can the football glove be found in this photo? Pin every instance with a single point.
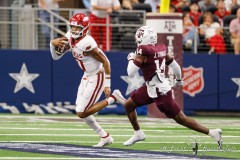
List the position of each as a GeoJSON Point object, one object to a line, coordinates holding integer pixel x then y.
{"type": "Point", "coordinates": [131, 56]}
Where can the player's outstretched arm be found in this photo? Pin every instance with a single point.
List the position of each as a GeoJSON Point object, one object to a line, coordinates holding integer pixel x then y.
{"type": "Point", "coordinates": [176, 69]}
{"type": "Point", "coordinates": [134, 63]}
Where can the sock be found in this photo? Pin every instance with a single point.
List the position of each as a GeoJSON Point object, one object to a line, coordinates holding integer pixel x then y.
{"type": "Point", "coordinates": [91, 122]}
{"type": "Point", "coordinates": [210, 133]}
{"type": "Point", "coordinates": [102, 133]}
{"type": "Point", "coordinates": [138, 131]}
{"type": "Point", "coordinates": [110, 100]}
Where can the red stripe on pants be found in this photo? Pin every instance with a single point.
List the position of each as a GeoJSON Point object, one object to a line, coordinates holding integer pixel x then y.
{"type": "Point", "coordinates": [96, 91]}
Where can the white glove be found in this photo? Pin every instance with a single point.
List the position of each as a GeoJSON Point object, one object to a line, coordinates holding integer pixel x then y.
{"type": "Point", "coordinates": [131, 56]}
{"type": "Point", "coordinates": [179, 82]}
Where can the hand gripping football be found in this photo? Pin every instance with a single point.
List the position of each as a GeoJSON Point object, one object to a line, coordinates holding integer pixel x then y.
{"type": "Point", "coordinates": [63, 49]}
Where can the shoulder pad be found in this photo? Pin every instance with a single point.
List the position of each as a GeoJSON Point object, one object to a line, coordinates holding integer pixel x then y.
{"type": "Point", "coordinates": [87, 43]}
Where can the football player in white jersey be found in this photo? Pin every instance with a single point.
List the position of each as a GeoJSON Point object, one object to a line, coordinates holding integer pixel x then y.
{"type": "Point", "coordinates": [96, 67]}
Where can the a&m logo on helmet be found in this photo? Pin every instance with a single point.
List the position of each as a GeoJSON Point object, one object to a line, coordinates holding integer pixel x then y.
{"type": "Point", "coordinates": [146, 35]}
{"type": "Point", "coordinates": [140, 33]}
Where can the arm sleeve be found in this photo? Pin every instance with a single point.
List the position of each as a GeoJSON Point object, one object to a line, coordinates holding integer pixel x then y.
{"type": "Point", "coordinates": [132, 69]}
{"type": "Point", "coordinates": [55, 56]}
{"type": "Point", "coordinates": [176, 69]}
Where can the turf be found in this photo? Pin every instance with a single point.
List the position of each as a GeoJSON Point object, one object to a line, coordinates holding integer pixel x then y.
{"type": "Point", "coordinates": [163, 135]}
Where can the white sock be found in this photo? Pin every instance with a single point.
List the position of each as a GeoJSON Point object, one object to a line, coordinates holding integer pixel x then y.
{"type": "Point", "coordinates": [210, 133]}
{"type": "Point", "coordinates": [138, 131]}
{"type": "Point", "coordinates": [102, 133]}
{"type": "Point", "coordinates": [110, 100]}
{"type": "Point", "coordinates": [91, 122]}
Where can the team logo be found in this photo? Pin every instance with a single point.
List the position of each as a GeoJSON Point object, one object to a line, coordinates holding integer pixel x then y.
{"type": "Point", "coordinates": [88, 48]}
{"type": "Point", "coordinates": [140, 33]}
{"type": "Point", "coordinates": [170, 25]}
{"type": "Point", "coordinates": [193, 80]}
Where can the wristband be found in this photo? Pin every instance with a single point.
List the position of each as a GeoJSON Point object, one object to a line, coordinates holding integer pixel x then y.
{"type": "Point", "coordinates": [107, 82]}
{"type": "Point", "coordinates": [107, 76]}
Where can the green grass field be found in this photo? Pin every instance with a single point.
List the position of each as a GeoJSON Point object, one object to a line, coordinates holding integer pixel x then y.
{"type": "Point", "coordinates": [163, 135]}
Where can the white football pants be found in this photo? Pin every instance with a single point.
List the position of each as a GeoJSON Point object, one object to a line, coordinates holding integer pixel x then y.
{"type": "Point", "coordinates": [89, 91]}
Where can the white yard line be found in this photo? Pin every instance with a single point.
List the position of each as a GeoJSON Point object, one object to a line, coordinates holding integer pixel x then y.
{"type": "Point", "coordinates": [73, 116]}
{"type": "Point", "coordinates": [109, 129]}
{"type": "Point", "coordinates": [82, 129]}
{"type": "Point", "coordinates": [209, 150]}
{"type": "Point", "coordinates": [79, 142]}
{"type": "Point", "coordinates": [102, 117]}
{"type": "Point", "coordinates": [115, 124]}
{"type": "Point", "coordinates": [50, 158]}
{"type": "Point", "coordinates": [91, 135]}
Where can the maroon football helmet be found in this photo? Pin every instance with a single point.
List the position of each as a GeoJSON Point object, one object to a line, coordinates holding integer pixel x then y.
{"type": "Point", "coordinates": [82, 21]}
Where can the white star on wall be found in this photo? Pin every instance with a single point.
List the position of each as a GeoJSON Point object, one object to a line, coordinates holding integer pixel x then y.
{"type": "Point", "coordinates": [24, 79]}
{"type": "Point", "coordinates": [133, 82]}
{"type": "Point", "coordinates": [237, 81]}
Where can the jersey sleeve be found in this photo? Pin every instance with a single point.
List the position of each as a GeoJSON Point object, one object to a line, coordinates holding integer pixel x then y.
{"type": "Point", "coordinates": [87, 44]}
{"type": "Point", "coordinates": [54, 54]}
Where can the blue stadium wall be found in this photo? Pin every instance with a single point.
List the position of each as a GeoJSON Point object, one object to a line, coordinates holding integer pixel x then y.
{"type": "Point", "coordinates": [57, 81]}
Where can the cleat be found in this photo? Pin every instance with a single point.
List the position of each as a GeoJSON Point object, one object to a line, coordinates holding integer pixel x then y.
{"type": "Point", "coordinates": [104, 141]}
{"type": "Point", "coordinates": [118, 97]}
{"type": "Point", "coordinates": [138, 136]}
{"type": "Point", "coordinates": [216, 134]}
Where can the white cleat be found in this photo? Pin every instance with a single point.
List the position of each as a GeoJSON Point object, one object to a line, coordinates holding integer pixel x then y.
{"type": "Point", "coordinates": [104, 141]}
{"type": "Point", "coordinates": [118, 96]}
{"type": "Point", "coordinates": [138, 136]}
{"type": "Point", "coordinates": [216, 134]}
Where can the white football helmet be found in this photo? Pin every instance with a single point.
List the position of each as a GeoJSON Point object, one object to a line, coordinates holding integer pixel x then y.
{"type": "Point", "coordinates": [146, 35]}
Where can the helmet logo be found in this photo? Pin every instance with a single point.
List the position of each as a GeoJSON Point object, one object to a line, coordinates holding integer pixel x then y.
{"type": "Point", "coordinates": [85, 19]}
{"type": "Point", "coordinates": [146, 35]}
{"type": "Point", "coordinates": [140, 33]}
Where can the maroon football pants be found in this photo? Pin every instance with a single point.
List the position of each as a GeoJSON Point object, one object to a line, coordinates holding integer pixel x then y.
{"type": "Point", "coordinates": [165, 103]}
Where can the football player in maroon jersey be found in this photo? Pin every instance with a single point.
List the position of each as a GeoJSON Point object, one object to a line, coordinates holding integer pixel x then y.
{"type": "Point", "coordinates": [152, 58]}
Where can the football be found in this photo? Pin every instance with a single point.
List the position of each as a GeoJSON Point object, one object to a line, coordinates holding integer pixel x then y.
{"type": "Point", "coordinates": [62, 50]}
